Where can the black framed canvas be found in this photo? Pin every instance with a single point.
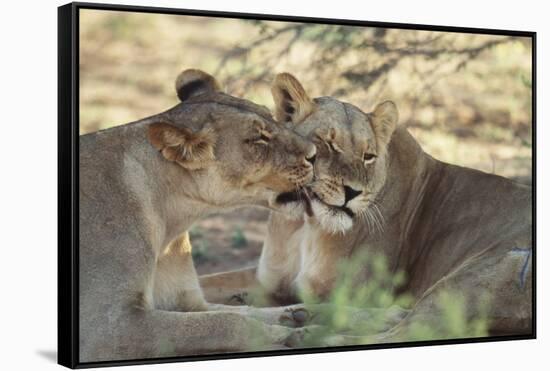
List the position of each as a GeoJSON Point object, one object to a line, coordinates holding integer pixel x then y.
{"type": "Point", "coordinates": [242, 185]}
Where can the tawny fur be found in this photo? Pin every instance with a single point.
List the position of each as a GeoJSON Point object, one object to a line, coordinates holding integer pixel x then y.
{"type": "Point", "coordinates": [291, 100]}
{"type": "Point", "coordinates": [447, 227]}
{"type": "Point", "coordinates": [139, 292]}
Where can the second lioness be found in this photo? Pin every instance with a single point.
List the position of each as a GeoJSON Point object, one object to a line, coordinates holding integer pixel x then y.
{"type": "Point", "coordinates": [449, 228]}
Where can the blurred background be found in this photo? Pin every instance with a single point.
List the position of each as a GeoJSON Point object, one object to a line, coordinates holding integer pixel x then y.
{"type": "Point", "coordinates": [466, 98]}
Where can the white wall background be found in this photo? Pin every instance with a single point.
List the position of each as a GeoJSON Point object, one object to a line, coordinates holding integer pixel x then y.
{"type": "Point", "coordinates": [28, 165]}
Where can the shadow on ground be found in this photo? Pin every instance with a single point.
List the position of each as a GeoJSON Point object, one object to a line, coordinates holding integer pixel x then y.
{"type": "Point", "coordinates": [50, 355]}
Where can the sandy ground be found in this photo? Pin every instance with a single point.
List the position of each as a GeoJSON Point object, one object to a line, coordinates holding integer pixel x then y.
{"type": "Point", "coordinates": [229, 241]}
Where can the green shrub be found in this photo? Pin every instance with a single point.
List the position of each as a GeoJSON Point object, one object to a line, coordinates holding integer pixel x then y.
{"type": "Point", "coordinates": [360, 309]}
{"type": "Point", "coordinates": [196, 232]}
{"type": "Point", "coordinates": [238, 239]}
{"type": "Point", "coordinates": [200, 251]}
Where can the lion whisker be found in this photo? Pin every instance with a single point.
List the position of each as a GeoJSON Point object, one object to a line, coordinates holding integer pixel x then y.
{"type": "Point", "coordinates": [378, 216]}
{"type": "Point", "coordinates": [365, 215]}
{"type": "Point", "coordinates": [373, 216]}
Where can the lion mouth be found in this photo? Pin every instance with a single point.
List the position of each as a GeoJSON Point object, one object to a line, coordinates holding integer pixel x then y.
{"type": "Point", "coordinates": [346, 210]}
{"type": "Point", "coordinates": [306, 196]}
{"type": "Point", "coordinates": [302, 195]}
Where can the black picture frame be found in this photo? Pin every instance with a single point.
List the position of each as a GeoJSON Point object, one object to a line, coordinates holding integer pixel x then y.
{"type": "Point", "coordinates": [68, 180]}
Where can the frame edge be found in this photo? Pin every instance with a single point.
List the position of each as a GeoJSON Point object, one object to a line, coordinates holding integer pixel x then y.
{"type": "Point", "coordinates": [67, 182]}
{"type": "Point", "coordinates": [67, 328]}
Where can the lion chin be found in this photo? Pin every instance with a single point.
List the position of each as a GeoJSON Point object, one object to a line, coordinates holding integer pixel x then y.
{"type": "Point", "coordinates": [331, 219]}
{"type": "Point", "coordinates": [294, 204]}
{"type": "Point", "coordinates": [306, 204]}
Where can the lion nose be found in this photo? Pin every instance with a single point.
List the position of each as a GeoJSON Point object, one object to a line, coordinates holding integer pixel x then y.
{"type": "Point", "coordinates": [350, 193]}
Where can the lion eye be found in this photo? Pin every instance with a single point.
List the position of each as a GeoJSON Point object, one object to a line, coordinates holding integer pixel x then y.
{"type": "Point", "coordinates": [368, 158]}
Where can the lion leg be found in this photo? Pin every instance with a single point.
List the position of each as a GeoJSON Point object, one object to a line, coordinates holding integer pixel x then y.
{"type": "Point", "coordinates": [156, 333]}
{"type": "Point", "coordinates": [242, 287]}
{"type": "Point", "coordinates": [177, 288]}
{"type": "Point", "coordinates": [382, 319]}
{"type": "Point", "coordinates": [133, 326]}
{"type": "Point", "coordinates": [230, 288]}
{"type": "Point", "coordinates": [176, 284]}
{"type": "Point", "coordinates": [291, 315]}
{"type": "Point", "coordinates": [299, 315]}
{"type": "Point", "coordinates": [363, 326]}
{"type": "Point", "coordinates": [495, 285]}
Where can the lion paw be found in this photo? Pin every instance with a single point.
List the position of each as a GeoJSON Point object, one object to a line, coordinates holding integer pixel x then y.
{"type": "Point", "coordinates": [295, 317]}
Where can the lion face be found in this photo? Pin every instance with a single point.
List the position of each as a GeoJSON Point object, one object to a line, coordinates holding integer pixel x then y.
{"type": "Point", "coordinates": [233, 142]}
{"type": "Point", "coordinates": [350, 164]}
{"type": "Point", "coordinates": [254, 153]}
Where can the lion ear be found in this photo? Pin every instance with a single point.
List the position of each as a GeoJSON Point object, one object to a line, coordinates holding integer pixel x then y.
{"type": "Point", "coordinates": [190, 150]}
{"type": "Point", "coordinates": [292, 104]}
{"type": "Point", "coordinates": [384, 121]}
{"type": "Point", "coordinates": [192, 82]}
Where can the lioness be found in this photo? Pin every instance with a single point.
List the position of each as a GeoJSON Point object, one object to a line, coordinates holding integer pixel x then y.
{"type": "Point", "coordinates": [449, 228]}
{"type": "Point", "coordinates": [142, 185]}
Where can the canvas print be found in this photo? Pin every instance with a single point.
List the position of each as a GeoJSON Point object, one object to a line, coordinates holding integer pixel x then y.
{"type": "Point", "coordinates": [250, 185]}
